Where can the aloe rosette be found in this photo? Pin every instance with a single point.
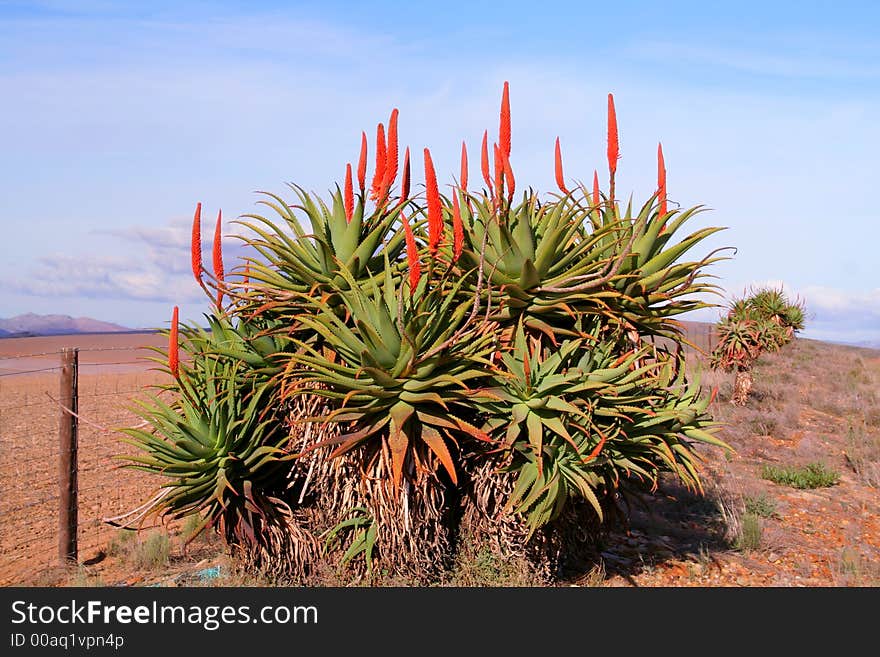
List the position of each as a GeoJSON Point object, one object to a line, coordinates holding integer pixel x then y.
{"type": "Point", "coordinates": [407, 364]}
{"type": "Point", "coordinates": [582, 422]}
{"type": "Point", "coordinates": [221, 446]}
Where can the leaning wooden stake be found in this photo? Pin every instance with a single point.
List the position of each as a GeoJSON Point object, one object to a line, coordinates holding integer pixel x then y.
{"type": "Point", "coordinates": [67, 460]}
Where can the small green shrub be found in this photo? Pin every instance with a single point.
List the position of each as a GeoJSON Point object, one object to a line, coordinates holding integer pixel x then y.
{"type": "Point", "coordinates": [760, 505]}
{"type": "Point", "coordinates": [751, 532]}
{"type": "Point", "coordinates": [812, 475]}
{"type": "Point", "coordinates": [863, 454]}
{"type": "Point", "coordinates": [121, 543]}
{"type": "Point", "coordinates": [152, 552]}
{"type": "Point", "coordinates": [764, 425]}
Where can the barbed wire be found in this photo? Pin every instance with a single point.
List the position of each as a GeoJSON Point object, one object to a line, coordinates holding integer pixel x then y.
{"type": "Point", "coordinates": [36, 355]}
{"type": "Point", "coordinates": [42, 369]}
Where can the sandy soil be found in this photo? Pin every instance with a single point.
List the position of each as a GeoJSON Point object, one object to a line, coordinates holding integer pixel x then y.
{"type": "Point", "coordinates": [113, 371]}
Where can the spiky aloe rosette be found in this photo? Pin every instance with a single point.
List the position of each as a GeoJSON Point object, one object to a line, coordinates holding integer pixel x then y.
{"type": "Point", "coordinates": [460, 365]}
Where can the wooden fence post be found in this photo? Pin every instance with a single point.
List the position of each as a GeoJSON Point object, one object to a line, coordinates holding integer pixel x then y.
{"type": "Point", "coordinates": [67, 460]}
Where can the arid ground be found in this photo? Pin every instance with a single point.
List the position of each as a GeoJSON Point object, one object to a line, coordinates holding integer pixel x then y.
{"type": "Point", "coordinates": [815, 404]}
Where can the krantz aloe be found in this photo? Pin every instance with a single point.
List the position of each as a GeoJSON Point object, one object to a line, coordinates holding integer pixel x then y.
{"type": "Point", "coordinates": [478, 364]}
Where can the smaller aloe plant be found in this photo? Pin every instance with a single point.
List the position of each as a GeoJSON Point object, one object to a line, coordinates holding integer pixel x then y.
{"type": "Point", "coordinates": [764, 321]}
{"type": "Point", "coordinates": [219, 445]}
{"type": "Point", "coordinates": [362, 531]}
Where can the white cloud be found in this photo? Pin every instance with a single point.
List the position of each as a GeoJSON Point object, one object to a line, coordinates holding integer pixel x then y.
{"type": "Point", "coordinates": [149, 264]}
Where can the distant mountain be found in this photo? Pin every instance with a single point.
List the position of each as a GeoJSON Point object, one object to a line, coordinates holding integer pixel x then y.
{"type": "Point", "coordinates": [31, 324]}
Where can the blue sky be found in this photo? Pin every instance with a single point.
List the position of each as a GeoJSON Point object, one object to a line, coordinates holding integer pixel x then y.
{"type": "Point", "coordinates": [119, 116]}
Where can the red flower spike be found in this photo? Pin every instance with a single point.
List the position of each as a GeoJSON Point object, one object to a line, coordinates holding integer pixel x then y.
{"type": "Point", "coordinates": [379, 174]}
{"type": "Point", "coordinates": [484, 161]}
{"type": "Point", "coordinates": [246, 277]}
{"type": "Point", "coordinates": [390, 172]}
{"type": "Point", "coordinates": [499, 173]}
{"type": "Point", "coordinates": [613, 145]}
{"type": "Point", "coordinates": [463, 179]}
{"type": "Point", "coordinates": [218, 257]}
{"type": "Point", "coordinates": [348, 195]}
{"type": "Point", "coordinates": [457, 229]}
{"type": "Point", "coordinates": [508, 176]}
{"type": "Point", "coordinates": [560, 179]}
{"type": "Point", "coordinates": [412, 255]}
{"type": "Point", "coordinates": [661, 180]}
{"type": "Point", "coordinates": [504, 129]}
{"type": "Point", "coordinates": [435, 210]}
{"type": "Point", "coordinates": [196, 245]}
{"type": "Point", "coordinates": [173, 347]}
{"type": "Point", "coordinates": [404, 183]}
{"type": "Point", "coordinates": [362, 163]}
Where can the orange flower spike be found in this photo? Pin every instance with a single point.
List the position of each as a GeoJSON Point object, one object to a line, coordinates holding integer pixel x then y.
{"type": "Point", "coordinates": [457, 229]}
{"type": "Point", "coordinates": [246, 277]}
{"type": "Point", "coordinates": [379, 174]}
{"type": "Point", "coordinates": [218, 257]}
{"type": "Point", "coordinates": [173, 346]}
{"type": "Point", "coordinates": [404, 183]}
{"type": "Point", "coordinates": [412, 255]}
{"type": "Point", "coordinates": [390, 172]}
{"type": "Point", "coordinates": [435, 210]}
{"type": "Point", "coordinates": [661, 180]}
{"type": "Point", "coordinates": [463, 179]}
{"type": "Point", "coordinates": [362, 163]}
{"type": "Point", "coordinates": [508, 176]}
{"type": "Point", "coordinates": [484, 161]}
{"type": "Point", "coordinates": [196, 245]}
{"type": "Point", "coordinates": [613, 145]}
{"type": "Point", "coordinates": [504, 129]}
{"type": "Point", "coordinates": [499, 173]}
{"type": "Point", "coordinates": [348, 195]}
{"type": "Point", "coordinates": [596, 197]}
{"type": "Point", "coordinates": [560, 179]}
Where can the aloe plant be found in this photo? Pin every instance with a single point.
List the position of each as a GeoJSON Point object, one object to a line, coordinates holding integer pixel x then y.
{"type": "Point", "coordinates": [764, 321]}
{"type": "Point", "coordinates": [219, 444]}
{"type": "Point", "coordinates": [430, 337]}
{"type": "Point", "coordinates": [404, 369]}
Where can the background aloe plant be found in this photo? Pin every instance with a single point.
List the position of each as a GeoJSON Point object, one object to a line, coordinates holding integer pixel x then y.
{"type": "Point", "coordinates": [763, 321]}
